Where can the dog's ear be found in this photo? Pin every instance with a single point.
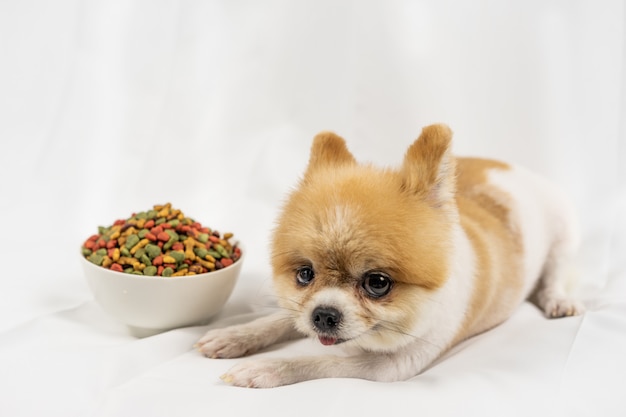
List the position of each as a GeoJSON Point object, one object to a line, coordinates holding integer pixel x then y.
{"type": "Point", "coordinates": [328, 150]}
{"type": "Point", "coordinates": [429, 168]}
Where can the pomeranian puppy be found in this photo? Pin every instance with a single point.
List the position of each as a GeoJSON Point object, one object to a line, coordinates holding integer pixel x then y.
{"type": "Point", "coordinates": [402, 264]}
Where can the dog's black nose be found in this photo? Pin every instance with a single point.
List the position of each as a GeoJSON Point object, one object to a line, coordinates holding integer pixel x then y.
{"type": "Point", "coordinates": [326, 318]}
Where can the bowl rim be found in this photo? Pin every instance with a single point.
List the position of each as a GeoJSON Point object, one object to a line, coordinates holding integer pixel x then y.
{"type": "Point", "coordinates": [169, 279]}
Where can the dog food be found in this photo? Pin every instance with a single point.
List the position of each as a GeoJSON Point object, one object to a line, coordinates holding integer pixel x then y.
{"type": "Point", "coordinates": [160, 242]}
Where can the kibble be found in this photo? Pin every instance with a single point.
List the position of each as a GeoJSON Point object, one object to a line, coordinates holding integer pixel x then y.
{"type": "Point", "coordinates": [160, 242]}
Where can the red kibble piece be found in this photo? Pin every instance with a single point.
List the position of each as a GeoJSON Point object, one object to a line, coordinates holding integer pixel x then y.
{"type": "Point", "coordinates": [214, 239]}
{"type": "Point", "coordinates": [226, 262]}
{"type": "Point", "coordinates": [185, 228]}
{"type": "Point", "coordinates": [166, 226]}
{"type": "Point", "coordinates": [178, 246]}
{"type": "Point", "coordinates": [90, 244]}
{"type": "Point", "coordinates": [119, 222]}
{"type": "Point", "coordinates": [111, 243]}
{"type": "Point", "coordinates": [151, 237]}
{"type": "Point", "coordinates": [149, 224]}
{"type": "Point", "coordinates": [102, 243]}
{"type": "Point", "coordinates": [164, 237]}
{"type": "Point", "coordinates": [117, 267]}
{"type": "Point", "coordinates": [110, 252]}
{"type": "Point", "coordinates": [93, 238]}
{"type": "Point", "coordinates": [160, 244]}
{"type": "Point", "coordinates": [158, 260]}
{"type": "Point", "coordinates": [160, 270]}
{"type": "Point", "coordinates": [173, 266]}
{"type": "Point", "coordinates": [156, 230]}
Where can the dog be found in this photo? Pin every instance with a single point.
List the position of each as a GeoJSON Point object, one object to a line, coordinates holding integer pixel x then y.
{"type": "Point", "coordinates": [402, 264]}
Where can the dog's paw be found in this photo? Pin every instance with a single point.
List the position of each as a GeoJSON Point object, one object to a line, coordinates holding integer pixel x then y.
{"type": "Point", "coordinates": [261, 373]}
{"type": "Point", "coordinates": [230, 342]}
{"type": "Point", "coordinates": [563, 307]}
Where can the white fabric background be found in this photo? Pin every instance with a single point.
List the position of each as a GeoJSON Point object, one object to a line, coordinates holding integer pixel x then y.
{"type": "Point", "coordinates": [108, 107]}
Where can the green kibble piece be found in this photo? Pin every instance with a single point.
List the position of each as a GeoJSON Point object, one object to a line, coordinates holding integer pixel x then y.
{"type": "Point", "coordinates": [131, 241]}
{"type": "Point", "coordinates": [86, 251]}
{"type": "Point", "coordinates": [142, 233]}
{"type": "Point", "coordinates": [178, 255]}
{"type": "Point", "coordinates": [187, 221]}
{"type": "Point", "coordinates": [145, 259]}
{"type": "Point", "coordinates": [101, 252]}
{"type": "Point", "coordinates": [96, 259]}
{"type": "Point", "coordinates": [152, 250]}
{"type": "Point", "coordinates": [181, 267]}
{"type": "Point", "coordinates": [151, 214]}
{"type": "Point", "coordinates": [222, 251]}
{"type": "Point", "coordinates": [102, 230]}
{"type": "Point", "coordinates": [137, 272]}
{"type": "Point", "coordinates": [203, 237]}
{"type": "Point", "coordinates": [201, 252]}
{"type": "Point", "coordinates": [140, 252]}
{"type": "Point", "coordinates": [129, 270]}
{"type": "Point", "coordinates": [141, 215]}
{"type": "Point", "coordinates": [124, 251]}
{"type": "Point", "coordinates": [167, 272]}
{"type": "Point", "coordinates": [173, 234]}
{"type": "Point", "coordinates": [168, 244]}
{"type": "Point", "coordinates": [214, 254]}
{"type": "Point", "coordinates": [150, 271]}
{"type": "Point", "coordinates": [159, 221]}
{"type": "Point", "coordinates": [174, 222]}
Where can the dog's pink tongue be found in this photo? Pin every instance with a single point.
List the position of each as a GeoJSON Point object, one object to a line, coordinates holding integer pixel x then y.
{"type": "Point", "coordinates": [327, 341]}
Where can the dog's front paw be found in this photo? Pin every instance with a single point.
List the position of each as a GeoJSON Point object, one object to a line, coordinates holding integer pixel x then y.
{"type": "Point", "coordinates": [563, 307]}
{"type": "Point", "coordinates": [261, 373]}
{"type": "Point", "coordinates": [230, 342]}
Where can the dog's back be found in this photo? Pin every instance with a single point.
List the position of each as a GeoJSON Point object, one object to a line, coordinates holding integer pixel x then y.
{"type": "Point", "coordinates": [523, 233]}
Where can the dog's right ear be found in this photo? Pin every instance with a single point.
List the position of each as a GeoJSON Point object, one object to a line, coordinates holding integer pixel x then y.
{"type": "Point", "coordinates": [328, 150]}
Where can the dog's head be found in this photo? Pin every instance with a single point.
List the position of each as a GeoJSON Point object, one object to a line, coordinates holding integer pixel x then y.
{"type": "Point", "coordinates": [357, 249]}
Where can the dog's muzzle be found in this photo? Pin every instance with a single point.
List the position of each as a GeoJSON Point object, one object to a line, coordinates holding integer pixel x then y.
{"type": "Point", "coordinates": [326, 320]}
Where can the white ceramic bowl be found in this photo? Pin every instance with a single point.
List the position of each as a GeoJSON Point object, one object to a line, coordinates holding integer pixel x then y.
{"type": "Point", "coordinates": [150, 305]}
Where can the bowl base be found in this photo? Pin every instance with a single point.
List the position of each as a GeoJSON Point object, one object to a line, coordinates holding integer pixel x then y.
{"type": "Point", "coordinates": [141, 332]}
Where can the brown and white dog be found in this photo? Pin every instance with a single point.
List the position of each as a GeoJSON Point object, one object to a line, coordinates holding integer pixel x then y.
{"type": "Point", "coordinates": [402, 264]}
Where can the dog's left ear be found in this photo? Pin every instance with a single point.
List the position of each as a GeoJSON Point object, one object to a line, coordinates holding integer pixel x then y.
{"type": "Point", "coordinates": [328, 150]}
{"type": "Point", "coordinates": [429, 168]}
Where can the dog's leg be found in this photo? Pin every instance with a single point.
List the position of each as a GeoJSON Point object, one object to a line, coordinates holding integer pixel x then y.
{"type": "Point", "coordinates": [244, 339]}
{"type": "Point", "coordinates": [383, 367]}
{"type": "Point", "coordinates": [551, 294]}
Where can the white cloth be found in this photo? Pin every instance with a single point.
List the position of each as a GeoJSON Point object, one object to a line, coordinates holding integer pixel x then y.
{"type": "Point", "coordinates": [107, 107]}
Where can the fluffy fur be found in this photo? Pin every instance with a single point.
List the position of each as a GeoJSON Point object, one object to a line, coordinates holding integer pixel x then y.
{"type": "Point", "coordinates": [402, 264]}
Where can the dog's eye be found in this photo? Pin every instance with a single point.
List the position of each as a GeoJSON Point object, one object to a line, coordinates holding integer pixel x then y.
{"type": "Point", "coordinates": [376, 284]}
{"type": "Point", "coordinates": [305, 275]}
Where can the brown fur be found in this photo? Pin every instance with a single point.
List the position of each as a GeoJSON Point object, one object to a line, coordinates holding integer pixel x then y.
{"type": "Point", "coordinates": [379, 238]}
{"type": "Point", "coordinates": [395, 218]}
{"type": "Point", "coordinates": [485, 217]}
